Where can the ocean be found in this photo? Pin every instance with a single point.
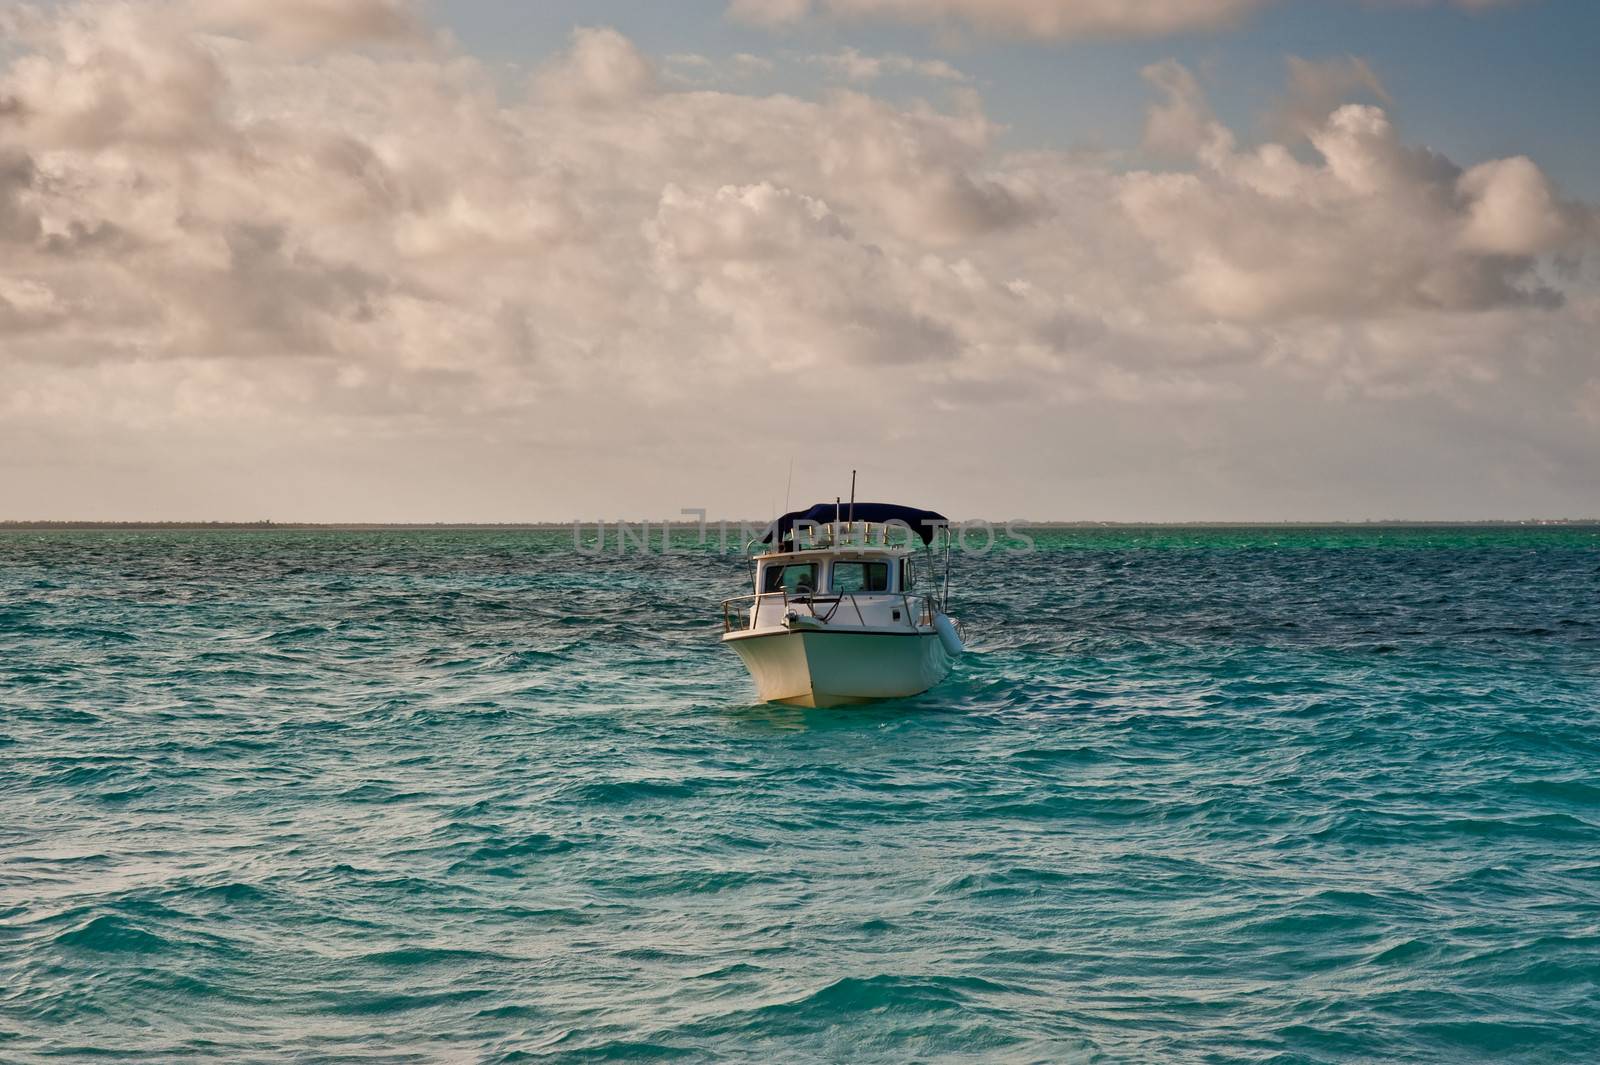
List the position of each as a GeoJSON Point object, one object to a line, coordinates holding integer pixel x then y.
{"type": "Point", "coordinates": [1195, 795]}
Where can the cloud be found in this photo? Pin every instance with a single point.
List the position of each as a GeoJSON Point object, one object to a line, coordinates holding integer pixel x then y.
{"type": "Point", "coordinates": [115, 74]}
{"type": "Point", "coordinates": [1036, 18]}
{"type": "Point", "coordinates": [1513, 210]}
{"type": "Point", "coordinates": [769, 12]}
{"type": "Point", "coordinates": [852, 65]}
{"type": "Point", "coordinates": [18, 223]}
{"type": "Point", "coordinates": [217, 245]}
{"type": "Point", "coordinates": [739, 224]}
{"type": "Point", "coordinates": [1045, 19]}
{"type": "Point", "coordinates": [316, 23]}
{"type": "Point", "coordinates": [1374, 227]}
{"type": "Point", "coordinates": [783, 275]}
{"type": "Point", "coordinates": [1318, 87]}
{"type": "Point", "coordinates": [1181, 122]}
{"type": "Point", "coordinates": [600, 67]}
{"type": "Point", "coordinates": [691, 68]}
{"type": "Point", "coordinates": [920, 170]}
{"type": "Point", "coordinates": [265, 294]}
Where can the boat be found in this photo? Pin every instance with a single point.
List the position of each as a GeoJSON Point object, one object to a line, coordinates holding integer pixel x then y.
{"type": "Point", "coordinates": [843, 611]}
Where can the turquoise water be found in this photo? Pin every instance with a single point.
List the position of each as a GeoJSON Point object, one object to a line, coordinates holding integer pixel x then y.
{"type": "Point", "coordinates": [1196, 796]}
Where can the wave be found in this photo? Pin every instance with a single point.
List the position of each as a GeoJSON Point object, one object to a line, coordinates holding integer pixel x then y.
{"type": "Point", "coordinates": [1196, 796]}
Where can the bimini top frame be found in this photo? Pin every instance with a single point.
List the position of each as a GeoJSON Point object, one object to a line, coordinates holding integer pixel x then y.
{"type": "Point", "coordinates": [923, 524]}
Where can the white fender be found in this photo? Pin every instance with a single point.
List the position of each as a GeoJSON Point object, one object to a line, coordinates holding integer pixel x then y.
{"type": "Point", "coordinates": [948, 635]}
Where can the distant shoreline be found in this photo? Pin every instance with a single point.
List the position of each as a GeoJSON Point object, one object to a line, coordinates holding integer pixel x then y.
{"type": "Point", "coordinates": [271, 526]}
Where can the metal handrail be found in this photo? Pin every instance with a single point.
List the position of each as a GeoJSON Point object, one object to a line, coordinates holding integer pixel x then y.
{"type": "Point", "coordinates": [757, 597]}
{"type": "Point", "coordinates": [929, 607]}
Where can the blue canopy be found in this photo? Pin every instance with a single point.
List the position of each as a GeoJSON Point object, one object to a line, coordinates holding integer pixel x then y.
{"type": "Point", "coordinates": [922, 522]}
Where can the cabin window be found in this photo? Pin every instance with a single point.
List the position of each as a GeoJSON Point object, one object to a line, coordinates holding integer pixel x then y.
{"type": "Point", "coordinates": [799, 578]}
{"type": "Point", "coordinates": [908, 575]}
{"type": "Point", "coordinates": [861, 576]}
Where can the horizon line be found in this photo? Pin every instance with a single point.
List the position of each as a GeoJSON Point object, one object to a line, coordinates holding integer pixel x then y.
{"type": "Point", "coordinates": [67, 525]}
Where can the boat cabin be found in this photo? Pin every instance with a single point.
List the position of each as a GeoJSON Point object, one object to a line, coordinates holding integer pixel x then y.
{"type": "Point", "coordinates": [835, 572]}
{"type": "Point", "coordinates": [841, 574]}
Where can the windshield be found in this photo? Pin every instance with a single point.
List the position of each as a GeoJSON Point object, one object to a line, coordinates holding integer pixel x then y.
{"type": "Point", "coordinates": [797, 578]}
{"type": "Point", "coordinates": [860, 577]}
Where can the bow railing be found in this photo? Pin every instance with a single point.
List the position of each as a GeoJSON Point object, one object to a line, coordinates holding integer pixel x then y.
{"type": "Point", "coordinates": [740, 612]}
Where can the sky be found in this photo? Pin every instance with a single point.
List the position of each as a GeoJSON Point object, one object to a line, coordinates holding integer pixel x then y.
{"type": "Point", "coordinates": [1118, 260]}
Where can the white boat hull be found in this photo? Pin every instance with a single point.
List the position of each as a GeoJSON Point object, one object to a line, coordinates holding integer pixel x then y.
{"type": "Point", "coordinates": [841, 667]}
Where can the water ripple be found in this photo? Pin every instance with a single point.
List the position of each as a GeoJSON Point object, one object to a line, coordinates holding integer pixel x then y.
{"type": "Point", "coordinates": [1196, 796]}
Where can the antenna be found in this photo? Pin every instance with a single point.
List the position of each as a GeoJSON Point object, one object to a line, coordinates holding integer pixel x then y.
{"type": "Point", "coordinates": [852, 497]}
{"type": "Point", "coordinates": [789, 484]}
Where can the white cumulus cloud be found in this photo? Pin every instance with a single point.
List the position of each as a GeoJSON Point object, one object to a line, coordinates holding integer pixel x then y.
{"type": "Point", "coordinates": [601, 66]}
{"type": "Point", "coordinates": [1371, 226]}
{"type": "Point", "coordinates": [377, 276]}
